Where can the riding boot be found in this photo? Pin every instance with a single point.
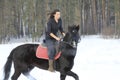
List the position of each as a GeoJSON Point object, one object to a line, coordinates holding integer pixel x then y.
{"type": "Point", "coordinates": [51, 66]}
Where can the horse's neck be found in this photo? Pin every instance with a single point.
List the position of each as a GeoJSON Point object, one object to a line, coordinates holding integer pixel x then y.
{"type": "Point", "coordinates": [67, 37]}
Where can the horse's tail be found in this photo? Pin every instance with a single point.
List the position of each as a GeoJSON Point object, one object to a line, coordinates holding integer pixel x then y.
{"type": "Point", "coordinates": [7, 66]}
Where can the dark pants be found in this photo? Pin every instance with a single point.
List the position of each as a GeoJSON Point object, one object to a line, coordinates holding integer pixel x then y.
{"type": "Point", "coordinates": [51, 45]}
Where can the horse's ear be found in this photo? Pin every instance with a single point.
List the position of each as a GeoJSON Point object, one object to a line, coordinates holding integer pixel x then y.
{"type": "Point", "coordinates": [77, 27]}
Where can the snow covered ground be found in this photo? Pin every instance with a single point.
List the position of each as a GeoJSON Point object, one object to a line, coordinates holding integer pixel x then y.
{"type": "Point", "coordinates": [96, 59]}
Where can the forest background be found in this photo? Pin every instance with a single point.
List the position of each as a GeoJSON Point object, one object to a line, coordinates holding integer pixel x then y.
{"type": "Point", "coordinates": [28, 18]}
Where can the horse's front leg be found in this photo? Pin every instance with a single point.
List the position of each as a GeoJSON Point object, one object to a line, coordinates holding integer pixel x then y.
{"type": "Point", "coordinates": [62, 76]}
{"type": "Point", "coordinates": [70, 73]}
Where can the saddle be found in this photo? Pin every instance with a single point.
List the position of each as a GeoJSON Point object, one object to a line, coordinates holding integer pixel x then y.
{"type": "Point", "coordinates": [42, 52]}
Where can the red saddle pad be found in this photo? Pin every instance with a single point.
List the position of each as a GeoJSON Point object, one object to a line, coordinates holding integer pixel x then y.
{"type": "Point", "coordinates": [42, 53]}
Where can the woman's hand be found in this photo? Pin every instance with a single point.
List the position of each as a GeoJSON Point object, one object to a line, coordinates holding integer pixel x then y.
{"type": "Point", "coordinates": [63, 34]}
{"type": "Point", "coordinates": [55, 37]}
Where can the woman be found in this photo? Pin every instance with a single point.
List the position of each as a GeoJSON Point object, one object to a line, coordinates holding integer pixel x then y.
{"type": "Point", "coordinates": [53, 26]}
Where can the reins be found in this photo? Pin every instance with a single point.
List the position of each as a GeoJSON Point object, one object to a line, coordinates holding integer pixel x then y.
{"type": "Point", "coordinates": [67, 44]}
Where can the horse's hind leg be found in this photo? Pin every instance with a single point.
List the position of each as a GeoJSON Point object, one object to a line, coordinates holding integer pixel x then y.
{"type": "Point", "coordinates": [15, 75]}
{"type": "Point", "coordinates": [17, 72]}
{"type": "Point", "coordinates": [29, 76]}
{"type": "Point", "coordinates": [26, 72]}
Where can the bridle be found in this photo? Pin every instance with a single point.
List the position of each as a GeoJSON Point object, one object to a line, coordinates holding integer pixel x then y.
{"type": "Point", "coordinates": [72, 43]}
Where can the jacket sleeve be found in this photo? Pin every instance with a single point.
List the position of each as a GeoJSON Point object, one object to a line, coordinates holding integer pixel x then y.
{"type": "Point", "coordinates": [49, 28]}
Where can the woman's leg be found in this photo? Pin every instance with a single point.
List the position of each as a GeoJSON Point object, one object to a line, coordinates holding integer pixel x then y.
{"type": "Point", "coordinates": [51, 54]}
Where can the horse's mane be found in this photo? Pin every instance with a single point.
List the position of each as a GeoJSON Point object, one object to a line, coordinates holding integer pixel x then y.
{"type": "Point", "coordinates": [67, 37]}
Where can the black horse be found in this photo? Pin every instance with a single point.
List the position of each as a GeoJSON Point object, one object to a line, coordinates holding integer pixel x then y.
{"type": "Point", "coordinates": [25, 60]}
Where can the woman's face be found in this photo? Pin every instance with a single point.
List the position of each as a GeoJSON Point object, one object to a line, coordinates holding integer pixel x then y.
{"type": "Point", "coordinates": [57, 15]}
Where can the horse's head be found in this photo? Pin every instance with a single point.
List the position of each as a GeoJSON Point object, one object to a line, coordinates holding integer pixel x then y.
{"type": "Point", "coordinates": [72, 36]}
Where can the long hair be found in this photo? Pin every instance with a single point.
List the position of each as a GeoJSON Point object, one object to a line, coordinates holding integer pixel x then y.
{"type": "Point", "coordinates": [54, 12]}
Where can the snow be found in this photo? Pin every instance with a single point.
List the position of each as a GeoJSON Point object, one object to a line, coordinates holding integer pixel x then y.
{"type": "Point", "coordinates": [96, 59]}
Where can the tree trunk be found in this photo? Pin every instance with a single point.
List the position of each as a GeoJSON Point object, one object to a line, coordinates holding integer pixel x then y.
{"type": "Point", "coordinates": [94, 16]}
